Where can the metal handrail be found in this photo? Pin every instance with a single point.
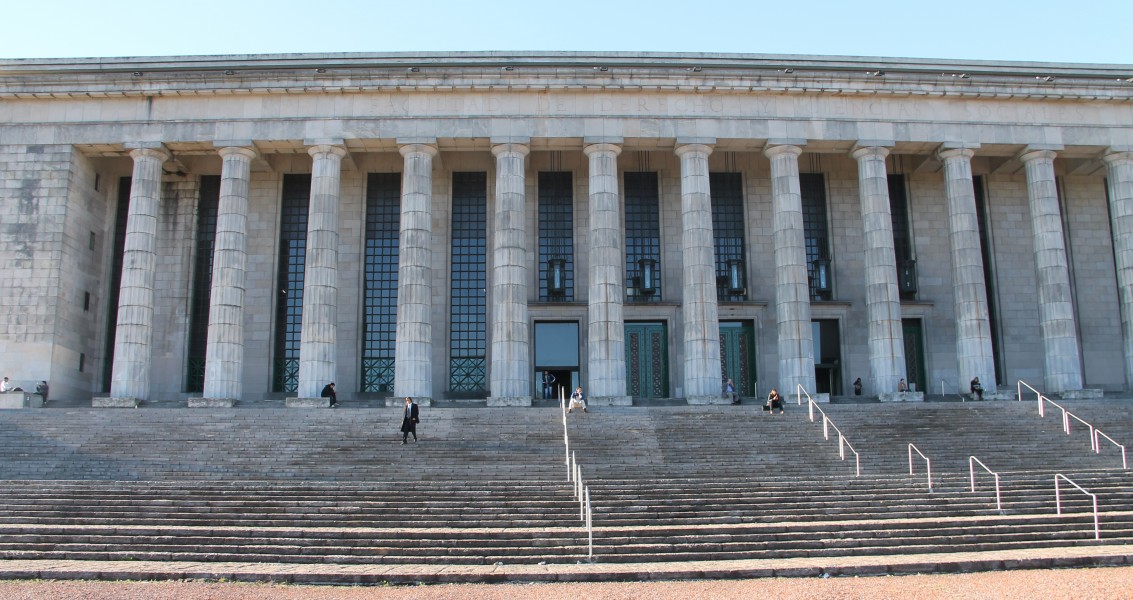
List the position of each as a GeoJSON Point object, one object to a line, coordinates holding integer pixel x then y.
{"type": "Point", "coordinates": [1066, 416]}
{"type": "Point", "coordinates": [589, 526]}
{"type": "Point", "coordinates": [972, 470]}
{"type": "Point", "coordinates": [1098, 450]}
{"type": "Point", "coordinates": [1058, 502]}
{"type": "Point", "coordinates": [956, 387]}
{"type": "Point", "coordinates": [843, 443]}
{"type": "Point", "coordinates": [574, 475]}
{"type": "Point", "coordinates": [928, 464]}
{"type": "Point", "coordinates": [566, 433]}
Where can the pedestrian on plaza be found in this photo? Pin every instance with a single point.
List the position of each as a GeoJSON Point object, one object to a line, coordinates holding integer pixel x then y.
{"type": "Point", "coordinates": [409, 421]}
{"type": "Point", "coordinates": [328, 392]}
{"type": "Point", "coordinates": [858, 386]}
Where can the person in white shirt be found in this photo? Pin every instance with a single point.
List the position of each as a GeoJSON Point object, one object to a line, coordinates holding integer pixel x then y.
{"type": "Point", "coordinates": [5, 386]}
{"type": "Point", "coordinates": [577, 400]}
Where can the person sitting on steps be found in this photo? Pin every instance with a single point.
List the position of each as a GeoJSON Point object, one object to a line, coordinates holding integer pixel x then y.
{"type": "Point", "coordinates": [977, 389]}
{"type": "Point", "coordinates": [577, 400]}
{"type": "Point", "coordinates": [774, 401]}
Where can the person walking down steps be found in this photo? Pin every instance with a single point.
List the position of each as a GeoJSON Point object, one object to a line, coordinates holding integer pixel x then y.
{"type": "Point", "coordinates": [409, 421]}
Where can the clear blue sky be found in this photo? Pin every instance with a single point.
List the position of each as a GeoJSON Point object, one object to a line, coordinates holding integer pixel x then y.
{"type": "Point", "coordinates": [1082, 31]}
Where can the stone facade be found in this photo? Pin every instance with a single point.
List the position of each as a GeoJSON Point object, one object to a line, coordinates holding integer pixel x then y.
{"type": "Point", "coordinates": [1015, 276]}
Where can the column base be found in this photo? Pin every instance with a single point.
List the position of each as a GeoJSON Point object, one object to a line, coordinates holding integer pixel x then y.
{"type": "Point", "coordinates": [20, 400]}
{"type": "Point", "coordinates": [901, 397]}
{"type": "Point", "coordinates": [399, 401]}
{"type": "Point", "coordinates": [212, 402]}
{"type": "Point", "coordinates": [307, 403]}
{"type": "Point", "coordinates": [115, 402]}
{"type": "Point", "coordinates": [608, 401]}
{"type": "Point", "coordinates": [710, 399]}
{"type": "Point", "coordinates": [1081, 395]}
{"type": "Point", "coordinates": [507, 401]}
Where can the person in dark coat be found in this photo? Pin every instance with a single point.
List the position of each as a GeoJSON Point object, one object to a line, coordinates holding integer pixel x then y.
{"type": "Point", "coordinates": [328, 392]}
{"type": "Point", "coordinates": [409, 421]}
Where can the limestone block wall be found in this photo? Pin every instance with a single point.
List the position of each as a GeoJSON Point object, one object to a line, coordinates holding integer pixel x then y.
{"type": "Point", "coordinates": [262, 295]}
{"type": "Point", "coordinates": [176, 253]}
{"type": "Point", "coordinates": [934, 305]}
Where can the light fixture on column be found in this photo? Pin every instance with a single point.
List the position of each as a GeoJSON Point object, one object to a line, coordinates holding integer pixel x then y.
{"type": "Point", "coordinates": [647, 276]}
{"type": "Point", "coordinates": [736, 276]}
{"type": "Point", "coordinates": [821, 274]}
{"type": "Point", "coordinates": [907, 280]}
{"type": "Point", "coordinates": [556, 276]}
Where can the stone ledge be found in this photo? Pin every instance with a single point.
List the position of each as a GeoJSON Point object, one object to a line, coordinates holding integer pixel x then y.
{"type": "Point", "coordinates": [902, 397]}
{"type": "Point", "coordinates": [609, 401]}
{"type": "Point", "coordinates": [212, 402]}
{"type": "Point", "coordinates": [502, 401]}
{"type": "Point", "coordinates": [114, 402]}
{"type": "Point", "coordinates": [1082, 395]}
{"type": "Point", "coordinates": [823, 398]}
{"type": "Point", "coordinates": [399, 402]}
{"type": "Point", "coordinates": [714, 399]}
{"type": "Point", "coordinates": [20, 400]}
{"type": "Point", "coordinates": [307, 403]}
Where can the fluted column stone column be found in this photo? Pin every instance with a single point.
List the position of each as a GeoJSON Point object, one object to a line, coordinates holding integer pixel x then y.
{"type": "Point", "coordinates": [319, 332]}
{"type": "Point", "coordinates": [605, 332]}
{"type": "Point", "coordinates": [883, 301]}
{"type": "Point", "coordinates": [1061, 353]}
{"type": "Point", "coordinates": [700, 318]}
{"type": "Point", "coordinates": [224, 352]}
{"type": "Point", "coordinates": [792, 288]}
{"type": "Point", "coordinates": [511, 374]}
{"type": "Point", "coordinates": [1120, 176]}
{"type": "Point", "coordinates": [133, 336]}
{"type": "Point", "coordinates": [413, 348]}
{"type": "Point", "coordinates": [974, 355]}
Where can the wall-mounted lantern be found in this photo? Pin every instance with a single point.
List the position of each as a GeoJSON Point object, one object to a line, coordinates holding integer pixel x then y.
{"type": "Point", "coordinates": [907, 276]}
{"type": "Point", "coordinates": [736, 284]}
{"type": "Point", "coordinates": [822, 275]}
{"type": "Point", "coordinates": [647, 276]}
{"type": "Point", "coordinates": [556, 276]}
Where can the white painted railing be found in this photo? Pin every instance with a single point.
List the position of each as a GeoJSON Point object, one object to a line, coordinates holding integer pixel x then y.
{"type": "Point", "coordinates": [827, 424]}
{"type": "Point", "coordinates": [956, 387]}
{"type": "Point", "coordinates": [1058, 502]}
{"type": "Point", "coordinates": [972, 471]}
{"type": "Point", "coordinates": [574, 475]}
{"type": "Point", "coordinates": [927, 462]}
{"type": "Point", "coordinates": [1095, 433]}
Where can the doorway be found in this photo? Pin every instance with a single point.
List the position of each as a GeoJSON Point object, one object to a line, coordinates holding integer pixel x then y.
{"type": "Point", "coordinates": [827, 338]}
{"type": "Point", "coordinates": [647, 360]}
{"type": "Point", "coordinates": [556, 359]}
{"type": "Point", "coordinates": [914, 354]}
{"type": "Point", "coordinates": [737, 356]}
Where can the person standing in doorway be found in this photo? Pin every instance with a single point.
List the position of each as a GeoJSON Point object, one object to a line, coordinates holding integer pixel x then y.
{"type": "Point", "coordinates": [409, 421]}
{"type": "Point", "coordinates": [548, 388]}
{"type": "Point", "coordinates": [328, 392]}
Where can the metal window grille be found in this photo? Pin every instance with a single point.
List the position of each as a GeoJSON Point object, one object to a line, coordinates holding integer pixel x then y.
{"type": "Point", "coordinates": [468, 308]}
{"type": "Point", "coordinates": [379, 285]}
{"type": "Point", "coordinates": [294, 209]}
{"type": "Point", "coordinates": [813, 189]}
{"type": "Point", "coordinates": [556, 231]}
{"type": "Point", "coordinates": [642, 233]}
{"type": "Point", "coordinates": [208, 205]}
{"type": "Point", "coordinates": [727, 228]}
{"type": "Point", "coordinates": [121, 215]}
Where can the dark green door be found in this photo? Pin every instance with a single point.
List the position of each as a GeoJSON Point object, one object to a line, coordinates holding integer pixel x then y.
{"type": "Point", "coordinates": [647, 360]}
{"type": "Point", "coordinates": [737, 355]}
{"type": "Point", "coordinates": [914, 354]}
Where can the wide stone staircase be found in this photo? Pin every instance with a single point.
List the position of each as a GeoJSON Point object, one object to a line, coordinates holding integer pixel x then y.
{"type": "Point", "coordinates": [487, 488]}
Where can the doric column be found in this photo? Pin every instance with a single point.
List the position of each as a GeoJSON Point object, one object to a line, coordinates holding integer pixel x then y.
{"type": "Point", "coordinates": [792, 289]}
{"type": "Point", "coordinates": [605, 332]}
{"type": "Point", "coordinates": [883, 302]}
{"type": "Point", "coordinates": [413, 349]}
{"type": "Point", "coordinates": [224, 353]}
{"type": "Point", "coordinates": [511, 375]}
{"type": "Point", "coordinates": [700, 316]}
{"type": "Point", "coordinates": [319, 334]}
{"type": "Point", "coordinates": [1062, 357]}
{"type": "Point", "coordinates": [1120, 165]}
{"type": "Point", "coordinates": [969, 292]}
{"type": "Point", "coordinates": [133, 336]}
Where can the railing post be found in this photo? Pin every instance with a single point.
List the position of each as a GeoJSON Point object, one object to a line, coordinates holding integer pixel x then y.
{"type": "Point", "coordinates": [589, 525]}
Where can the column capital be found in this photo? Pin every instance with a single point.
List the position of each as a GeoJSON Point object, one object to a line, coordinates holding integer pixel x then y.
{"type": "Point", "coordinates": [160, 152]}
{"type": "Point", "coordinates": [334, 149]}
{"type": "Point", "coordinates": [947, 153]}
{"type": "Point", "coordinates": [1116, 155]}
{"type": "Point", "coordinates": [683, 149]}
{"type": "Point", "coordinates": [864, 149]}
{"type": "Point", "coordinates": [602, 147]}
{"type": "Point", "coordinates": [771, 151]}
{"type": "Point", "coordinates": [511, 148]}
{"type": "Point", "coordinates": [602, 139]}
{"type": "Point", "coordinates": [1030, 154]}
{"type": "Point", "coordinates": [417, 148]}
{"type": "Point", "coordinates": [245, 151]}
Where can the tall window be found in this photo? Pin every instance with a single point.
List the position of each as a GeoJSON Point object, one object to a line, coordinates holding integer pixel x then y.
{"type": "Point", "coordinates": [467, 323]}
{"type": "Point", "coordinates": [643, 237]}
{"type": "Point", "coordinates": [728, 235]}
{"type": "Point", "coordinates": [556, 236]}
{"type": "Point", "coordinates": [989, 275]}
{"type": "Point", "coordinates": [207, 208]}
{"type": "Point", "coordinates": [121, 215]}
{"type": "Point", "coordinates": [902, 238]}
{"type": "Point", "coordinates": [813, 189]}
{"type": "Point", "coordinates": [294, 208]}
{"type": "Point", "coordinates": [379, 285]}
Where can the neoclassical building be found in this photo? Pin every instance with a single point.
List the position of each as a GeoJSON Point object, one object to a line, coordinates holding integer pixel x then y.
{"type": "Point", "coordinates": [460, 226]}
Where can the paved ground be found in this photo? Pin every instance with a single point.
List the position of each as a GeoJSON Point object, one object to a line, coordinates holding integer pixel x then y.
{"type": "Point", "coordinates": [1101, 583]}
